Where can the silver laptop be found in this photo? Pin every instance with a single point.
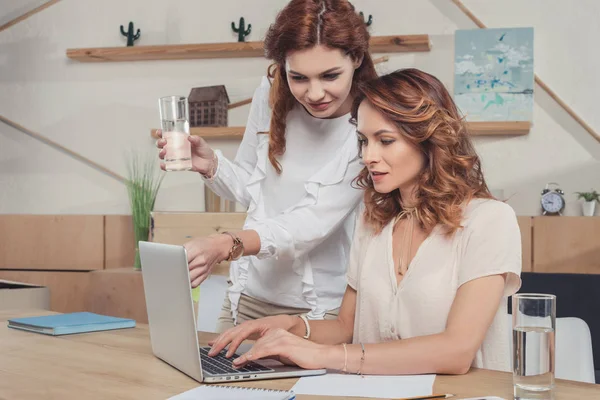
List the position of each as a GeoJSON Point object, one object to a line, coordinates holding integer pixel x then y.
{"type": "Point", "coordinates": [173, 331]}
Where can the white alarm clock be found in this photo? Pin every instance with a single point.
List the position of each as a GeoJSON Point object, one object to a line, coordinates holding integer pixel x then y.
{"type": "Point", "coordinates": [552, 201]}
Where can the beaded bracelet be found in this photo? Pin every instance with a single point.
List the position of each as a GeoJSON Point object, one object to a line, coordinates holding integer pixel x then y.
{"type": "Point", "coordinates": [362, 360]}
{"type": "Point", "coordinates": [213, 170]}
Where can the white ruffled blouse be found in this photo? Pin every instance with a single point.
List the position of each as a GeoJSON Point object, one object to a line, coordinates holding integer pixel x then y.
{"type": "Point", "coordinates": [304, 217]}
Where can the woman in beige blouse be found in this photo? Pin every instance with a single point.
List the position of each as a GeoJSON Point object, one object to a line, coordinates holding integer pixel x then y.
{"type": "Point", "coordinates": [434, 257]}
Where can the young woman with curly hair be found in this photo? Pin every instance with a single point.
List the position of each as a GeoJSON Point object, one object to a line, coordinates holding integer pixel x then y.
{"type": "Point", "coordinates": [434, 257]}
{"type": "Point", "coordinates": [293, 170]}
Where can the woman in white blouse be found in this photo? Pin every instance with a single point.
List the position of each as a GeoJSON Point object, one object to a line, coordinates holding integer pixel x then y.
{"type": "Point", "coordinates": [434, 257]}
{"type": "Point", "coordinates": [293, 170]}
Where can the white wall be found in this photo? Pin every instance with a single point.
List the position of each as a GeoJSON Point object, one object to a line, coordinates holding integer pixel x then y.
{"type": "Point", "coordinates": [11, 9]}
{"type": "Point", "coordinates": [102, 110]}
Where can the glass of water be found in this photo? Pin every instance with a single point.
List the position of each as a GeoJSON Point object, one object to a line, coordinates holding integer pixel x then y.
{"type": "Point", "coordinates": [174, 121]}
{"type": "Point", "coordinates": [534, 325]}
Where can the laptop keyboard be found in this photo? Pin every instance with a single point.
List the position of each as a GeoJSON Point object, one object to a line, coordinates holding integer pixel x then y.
{"type": "Point", "coordinates": [219, 364]}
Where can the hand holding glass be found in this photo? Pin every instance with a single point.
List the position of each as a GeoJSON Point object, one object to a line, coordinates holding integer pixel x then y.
{"type": "Point", "coordinates": [174, 120]}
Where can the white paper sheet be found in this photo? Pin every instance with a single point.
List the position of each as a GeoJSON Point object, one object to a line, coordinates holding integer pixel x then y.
{"type": "Point", "coordinates": [378, 386]}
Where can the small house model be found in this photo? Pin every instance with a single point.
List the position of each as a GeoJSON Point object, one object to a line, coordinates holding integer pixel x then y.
{"type": "Point", "coordinates": [208, 106]}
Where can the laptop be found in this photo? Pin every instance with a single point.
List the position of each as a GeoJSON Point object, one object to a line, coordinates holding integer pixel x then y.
{"type": "Point", "coordinates": [173, 330]}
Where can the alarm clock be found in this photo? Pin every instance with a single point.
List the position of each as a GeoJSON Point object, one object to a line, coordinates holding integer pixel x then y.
{"type": "Point", "coordinates": [552, 201]}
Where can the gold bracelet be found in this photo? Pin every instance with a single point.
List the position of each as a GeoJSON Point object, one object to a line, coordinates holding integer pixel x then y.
{"type": "Point", "coordinates": [345, 370]}
{"type": "Point", "coordinates": [362, 360]}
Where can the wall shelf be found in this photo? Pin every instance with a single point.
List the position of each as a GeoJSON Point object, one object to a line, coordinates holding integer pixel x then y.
{"type": "Point", "coordinates": [498, 128]}
{"type": "Point", "coordinates": [379, 44]}
{"type": "Point", "coordinates": [221, 132]}
{"type": "Point", "coordinates": [501, 128]}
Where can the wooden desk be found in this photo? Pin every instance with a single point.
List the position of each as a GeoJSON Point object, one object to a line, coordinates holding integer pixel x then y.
{"type": "Point", "coordinates": [120, 365]}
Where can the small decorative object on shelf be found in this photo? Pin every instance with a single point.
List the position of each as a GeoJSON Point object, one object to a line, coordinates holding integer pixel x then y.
{"type": "Point", "coordinates": [552, 200]}
{"type": "Point", "coordinates": [589, 204]}
{"type": "Point", "coordinates": [369, 21]}
{"type": "Point", "coordinates": [129, 34]}
{"type": "Point", "coordinates": [242, 31]}
{"type": "Point", "coordinates": [208, 106]}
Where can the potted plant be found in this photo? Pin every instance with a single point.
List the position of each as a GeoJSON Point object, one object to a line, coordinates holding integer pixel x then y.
{"type": "Point", "coordinates": [589, 204]}
{"type": "Point", "coordinates": [144, 180]}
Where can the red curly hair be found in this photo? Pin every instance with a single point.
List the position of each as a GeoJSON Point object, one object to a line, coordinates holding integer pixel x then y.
{"type": "Point", "coordinates": [303, 24]}
{"type": "Point", "coordinates": [425, 114]}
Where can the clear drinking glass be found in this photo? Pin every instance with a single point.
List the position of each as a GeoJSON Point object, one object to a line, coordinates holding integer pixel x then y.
{"type": "Point", "coordinates": [534, 325]}
{"type": "Point", "coordinates": [174, 122]}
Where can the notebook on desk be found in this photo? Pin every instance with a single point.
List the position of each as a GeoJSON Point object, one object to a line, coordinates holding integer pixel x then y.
{"type": "Point", "coordinates": [233, 393]}
{"type": "Point", "coordinates": [65, 324]}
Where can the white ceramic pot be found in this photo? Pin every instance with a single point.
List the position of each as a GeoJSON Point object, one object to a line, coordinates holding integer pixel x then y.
{"type": "Point", "coordinates": [589, 207]}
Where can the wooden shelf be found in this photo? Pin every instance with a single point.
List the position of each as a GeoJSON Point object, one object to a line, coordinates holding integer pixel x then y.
{"type": "Point", "coordinates": [508, 128]}
{"type": "Point", "coordinates": [221, 132]}
{"type": "Point", "coordinates": [379, 44]}
{"type": "Point", "coordinates": [499, 128]}
{"type": "Point", "coordinates": [399, 43]}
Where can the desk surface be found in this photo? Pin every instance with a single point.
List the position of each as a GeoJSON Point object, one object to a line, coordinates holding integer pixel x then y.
{"type": "Point", "coordinates": [120, 365]}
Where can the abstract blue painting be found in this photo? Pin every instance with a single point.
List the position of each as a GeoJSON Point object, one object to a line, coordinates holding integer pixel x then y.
{"type": "Point", "coordinates": [493, 74]}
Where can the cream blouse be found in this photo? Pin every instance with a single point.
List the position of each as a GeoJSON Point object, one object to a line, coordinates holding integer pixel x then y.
{"type": "Point", "coordinates": [419, 305]}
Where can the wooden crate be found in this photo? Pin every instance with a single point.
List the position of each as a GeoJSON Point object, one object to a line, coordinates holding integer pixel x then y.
{"type": "Point", "coordinates": [566, 244]}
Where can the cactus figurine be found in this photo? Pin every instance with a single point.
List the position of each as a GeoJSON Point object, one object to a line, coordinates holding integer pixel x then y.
{"type": "Point", "coordinates": [129, 34]}
{"type": "Point", "coordinates": [370, 21]}
{"type": "Point", "coordinates": [242, 31]}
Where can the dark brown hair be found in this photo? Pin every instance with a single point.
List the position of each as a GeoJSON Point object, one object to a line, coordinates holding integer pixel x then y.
{"type": "Point", "coordinates": [425, 114]}
{"type": "Point", "coordinates": [303, 24]}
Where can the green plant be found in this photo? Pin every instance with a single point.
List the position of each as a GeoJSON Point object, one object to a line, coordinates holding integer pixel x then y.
{"type": "Point", "coordinates": [131, 37]}
{"type": "Point", "coordinates": [588, 196]}
{"type": "Point", "coordinates": [144, 180]}
{"type": "Point", "coordinates": [242, 31]}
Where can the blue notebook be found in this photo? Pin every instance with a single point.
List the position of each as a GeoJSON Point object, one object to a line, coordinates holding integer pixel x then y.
{"type": "Point", "coordinates": [65, 324]}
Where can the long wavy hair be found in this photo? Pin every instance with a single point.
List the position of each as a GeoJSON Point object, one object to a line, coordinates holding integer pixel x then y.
{"type": "Point", "coordinates": [303, 24]}
{"type": "Point", "coordinates": [425, 114]}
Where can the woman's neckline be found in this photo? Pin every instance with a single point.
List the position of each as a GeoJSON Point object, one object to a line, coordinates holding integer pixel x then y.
{"type": "Point", "coordinates": [312, 117]}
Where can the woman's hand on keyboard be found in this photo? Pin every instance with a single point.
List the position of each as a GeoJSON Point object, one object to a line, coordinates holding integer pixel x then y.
{"type": "Point", "coordinates": [290, 349]}
{"type": "Point", "coordinates": [250, 330]}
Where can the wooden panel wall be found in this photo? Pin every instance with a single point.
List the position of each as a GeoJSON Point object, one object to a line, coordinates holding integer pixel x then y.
{"type": "Point", "coordinates": [178, 228]}
{"type": "Point", "coordinates": [526, 224]}
{"type": "Point", "coordinates": [70, 245]}
{"type": "Point", "coordinates": [566, 244]}
{"type": "Point", "coordinates": [52, 242]}
{"type": "Point", "coordinates": [118, 292]}
{"type": "Point", "coordinates": [119, 239]}
{"type": "Point", "coordinates": [68, 290]}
